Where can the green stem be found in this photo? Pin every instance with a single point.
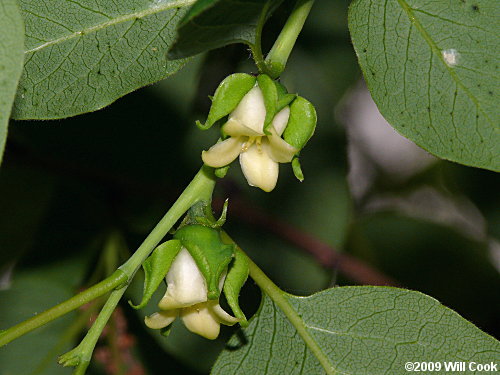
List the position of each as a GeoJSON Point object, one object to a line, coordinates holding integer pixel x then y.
{"type": "Point", "coordinates": [116, 279]}
{"type": "Point", "coordinates": [82, 354]}
{"type": "Point", "coordinates": [69, 335]}
{"type": "Point", "coordinates": [200, 189]}
{"type": "Point", "coordinates": [279, 297]}
{"type": "Point", "coordinates": [278, 56]}
{"type": "Point", "coordinates": [256, 47]}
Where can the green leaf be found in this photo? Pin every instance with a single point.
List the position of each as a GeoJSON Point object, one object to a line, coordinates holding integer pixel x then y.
{"type": "Point", "coordinates": [227, 97]}
{"type": "Point", "coordinates": [212, 24]}
{"type": "Point", "coordinates": [80, 57]}
{"type": "Point", "coordinates": [356, 330]}
{"type": "Point", "coordinates": [156, 268]}
{"type": "Point", "coordinates": [211, 255]}
{"type": "Point", "coordinates": [432, 69]}
{"type": "Point", "coordinates": [11, 62]}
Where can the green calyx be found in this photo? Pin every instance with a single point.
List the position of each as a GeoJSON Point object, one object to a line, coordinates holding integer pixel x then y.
{"type": "Point", "coordinates": [156, 267]}
{"type": "Point", "coordinates": [301, 124]}
{"type": "Point", "coordinates": [227, 96]}
{"type": "Point", "coordinates": [211, 255]}
{"type": "Point", "coordinates": [236, 278]}
{"type": "Point", "coordinates": [275, 96]}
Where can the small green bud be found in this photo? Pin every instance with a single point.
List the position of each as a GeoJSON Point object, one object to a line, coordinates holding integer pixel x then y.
{"type": "Point", "coordinates": [221, 171]}
{"type": "Point", "coordinates": [297, 170]}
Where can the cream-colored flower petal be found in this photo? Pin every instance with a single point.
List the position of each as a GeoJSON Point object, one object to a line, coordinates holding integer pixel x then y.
{"type": "Point", "coordinates": [186, 285]}
{"type": "Point", "coordinates": [199, 320]}
{"type": "Point", "coordinates": [259, 169]}
{"type": "Point", "coordinates": [235, 128]}
{"type": "Point", "coordinates": [280, 120]}
{"type": "Point", "coordinates": [221, 316]}
{"type": "Point", "coordinates": [223, 153]}
{"type": "Point", "coordinates": [160, 319]}
{"type": "Point", "coordinates": [251, 111]}
{"type": "Point", "coordinates": [278, 149]}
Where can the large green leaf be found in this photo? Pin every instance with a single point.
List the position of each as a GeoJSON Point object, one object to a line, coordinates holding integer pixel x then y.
{"type": "Point", "coordinates": [212, 24]}
{"type": "Point", "coordinates": [357, 330]}
{"type": "Point", "coordinates": [11, 61]}
{"type": "Point", "coordinates": [81, 56]}
{"type": "Point", "coordinates": [432, 69]}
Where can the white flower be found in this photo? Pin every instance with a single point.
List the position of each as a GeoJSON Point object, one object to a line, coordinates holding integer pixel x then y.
{"type": "Point", "coordinates": [186, 297]}
{"type": "Point", "coordinates": [259, 153]}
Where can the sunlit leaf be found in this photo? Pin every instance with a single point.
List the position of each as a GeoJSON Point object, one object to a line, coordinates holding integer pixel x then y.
{"type": "Point", "coordinates": [432, 69]}
{"type": "Point", "coordinates": [356, 330]}
{"type": "Point", "coordinates": [11, 61]}
{"type": "Point", "coordinates": [85, 55]}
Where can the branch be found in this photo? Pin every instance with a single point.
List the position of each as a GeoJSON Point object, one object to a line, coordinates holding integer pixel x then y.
{"type": "Point", "coordinates": [326, 255]}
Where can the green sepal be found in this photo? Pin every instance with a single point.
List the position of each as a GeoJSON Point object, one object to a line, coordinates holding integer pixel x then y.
{"type": "Point", "coordinates": [270, 94]}
{"type": "Point", "coordinates": [285, 100]}
{"type": "Point", "coordinates": [276, 97]}
{"type": "Point", "coordinates": [165, 331]}
{"type": "Point", "coordinates": [236, 278]}
{"type": "Point", "coordinates": [201, 213]}
{"type": "Point", "coordinates": [208, 251]}
{"type": "Point", "coordinates": [156, 268]}
{"type": "Point", "coordinates": [221, 172]}
{"type": "Point", "coordinates": [297, 170]}
{"type": "Point", "coordinates": [301, 124]}
{"type": "Point", "coordinates": [227, 97]}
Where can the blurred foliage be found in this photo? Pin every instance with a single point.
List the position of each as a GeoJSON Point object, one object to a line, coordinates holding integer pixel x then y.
{"type": "Point", "coordinates": [67, 184]}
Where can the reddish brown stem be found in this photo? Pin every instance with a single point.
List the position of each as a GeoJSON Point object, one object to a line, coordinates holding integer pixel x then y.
{"type": "Point", "coordinates": [326, 255]}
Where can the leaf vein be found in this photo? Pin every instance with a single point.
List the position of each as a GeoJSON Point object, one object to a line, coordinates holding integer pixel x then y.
{"type": "Point", "coordinates": [127, 17]}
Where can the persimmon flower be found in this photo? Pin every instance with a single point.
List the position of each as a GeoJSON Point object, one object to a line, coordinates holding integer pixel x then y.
{"type": "Point", "coordinates": [259, 153]}
{"type": "Point", "coordinates": [186, 297]}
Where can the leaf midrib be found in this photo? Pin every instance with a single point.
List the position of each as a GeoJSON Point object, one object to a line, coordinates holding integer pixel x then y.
{"type": "Point", "coordinates": [413, 19]}
{"type": "Point", "coordinates": [154, 9]}
{"type": "Point", "coordinates": [296, 320]}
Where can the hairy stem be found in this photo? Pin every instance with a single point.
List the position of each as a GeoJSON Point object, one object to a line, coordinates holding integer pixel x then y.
{"type": "Point", "coordinates": [256, 47]}
{"type": "Point", "coordinates": [280, 299]}
{"type": "Point", "coordinates": [278, 56]}
{"type": "Point", "coordinates": [200, 189]}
